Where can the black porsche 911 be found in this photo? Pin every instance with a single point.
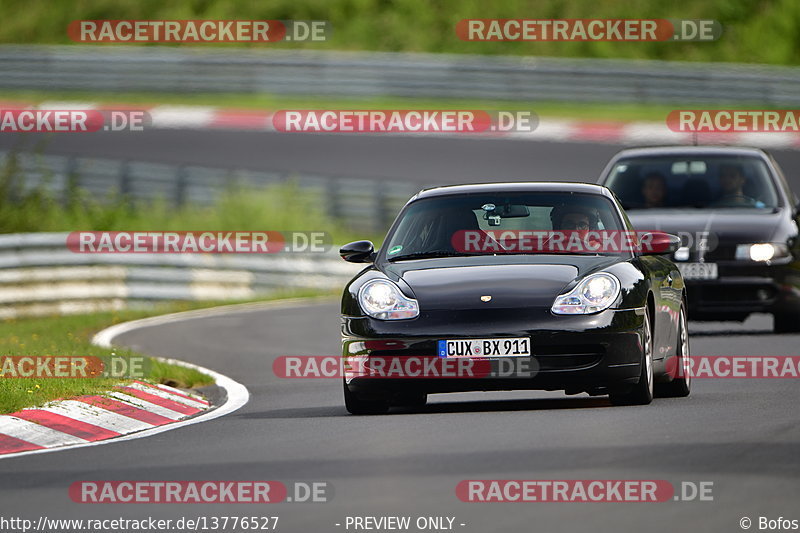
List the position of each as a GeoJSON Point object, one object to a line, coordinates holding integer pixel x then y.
{"type": "Point", "coordinates": [737, 217]}
{"type": "Point", "coordinates": [488, 273]}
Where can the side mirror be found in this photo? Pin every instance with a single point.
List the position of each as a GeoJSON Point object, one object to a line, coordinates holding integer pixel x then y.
{"type": "Point", "coordinates": [358, 252]}
{"type": "Point", "coordinates": [658, 243]}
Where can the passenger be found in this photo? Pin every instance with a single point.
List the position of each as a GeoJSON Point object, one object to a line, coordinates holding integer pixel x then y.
{"type": "Point", "coordinates": [654, 190]}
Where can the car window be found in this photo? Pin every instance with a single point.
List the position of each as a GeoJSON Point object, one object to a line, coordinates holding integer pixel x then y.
{"type": "Point", "coordinates": [430, 225]}
{"type": "Point", "coordinates": [693, 182]}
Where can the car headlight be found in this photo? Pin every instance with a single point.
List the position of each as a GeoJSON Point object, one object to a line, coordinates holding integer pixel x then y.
{"type": "Point", "coordinates": [595, 293]}
{"type": "Point", "coordinates": [762, 252]}
{"type": "Point", "coordinates": [383, 299]}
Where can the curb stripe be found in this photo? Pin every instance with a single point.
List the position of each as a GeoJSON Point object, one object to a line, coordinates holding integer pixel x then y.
{"type": "Point", "coordinates": [14, 445]}
{"type": "Point", "coordinates": [145, 405]}
{"type": "Point", "coordinates": [173, 391]}
{"type": "Point", "coordinates": [160, 400]}
{"type": "Point", "coordinates": [95, 415]}
{"type": "Point", "coordinates": [125, 409]}
{"type": "Point", "coordinates": [34, 433]}
{"type": "Point", "coordinates": [65, 424]}
{"type": "Point", "coordinates": [155, 391]}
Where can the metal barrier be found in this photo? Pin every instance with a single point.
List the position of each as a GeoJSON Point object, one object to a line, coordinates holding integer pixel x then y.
{"type": "Point", "coordinates": [40, 276]}
{"type": "Point", "coordinates": [362, 74]}
{"type": "Point", "coordinates": [362, 204]}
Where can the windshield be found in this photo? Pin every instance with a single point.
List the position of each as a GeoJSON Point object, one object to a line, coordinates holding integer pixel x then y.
{"type": "Point", "coordinates": [693, 182]}
{"type": "Point", "coordinates": [448, 226]}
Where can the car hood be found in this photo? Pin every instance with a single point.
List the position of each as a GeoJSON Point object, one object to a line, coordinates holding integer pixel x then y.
{"type": "Point", "coordinates": [726, 225]}
{"type": "Point", "coordinates": [460, 284]}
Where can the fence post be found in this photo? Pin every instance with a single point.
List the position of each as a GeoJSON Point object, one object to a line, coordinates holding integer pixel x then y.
{"type": "Point", "coordinates": [381, 207]}
{"type": "Point", "coordinates": [333, 190]}
{"type": "Point", "coordinates": [181, 177]}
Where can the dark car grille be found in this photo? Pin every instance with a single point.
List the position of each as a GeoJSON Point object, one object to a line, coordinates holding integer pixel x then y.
{"type": "Point", "coordinates": [563, 357]}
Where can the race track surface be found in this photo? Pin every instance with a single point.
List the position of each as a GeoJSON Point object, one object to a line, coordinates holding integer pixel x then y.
{"type": "Point", "coordinates": [741, 434]}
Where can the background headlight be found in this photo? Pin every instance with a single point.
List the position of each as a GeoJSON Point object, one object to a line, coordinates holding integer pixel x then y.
{"type": "Point", "coordinates": [762, 252]}
{"type": "Point", "coordinates": [595, 293]}
{"type": "Point", "coordinates": [382, 299]}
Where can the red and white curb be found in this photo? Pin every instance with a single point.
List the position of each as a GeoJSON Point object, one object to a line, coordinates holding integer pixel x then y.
{"type": "Point", "coordinates": [130, 408]}
{"type": "Point", "coordinates": [131, 412]}
{"type": "Point", "coordinates": [613, 132]}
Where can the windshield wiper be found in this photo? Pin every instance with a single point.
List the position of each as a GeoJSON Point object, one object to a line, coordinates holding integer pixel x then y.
{"type": "Point", "coordinates": [428, 255]}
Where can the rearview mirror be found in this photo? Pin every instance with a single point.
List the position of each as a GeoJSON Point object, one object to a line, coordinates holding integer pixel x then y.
{"type": "Point", "coordinates": [658, 243]}
{"type": "Point", "coordinates": [358, 252]}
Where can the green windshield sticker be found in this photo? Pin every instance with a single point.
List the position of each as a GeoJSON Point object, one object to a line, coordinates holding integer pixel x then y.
{"type": "Point", "coordinates": [395, 249]}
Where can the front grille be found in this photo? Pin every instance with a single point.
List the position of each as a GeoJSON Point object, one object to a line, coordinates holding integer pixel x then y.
{"type": "Point", "coordinates": [565, 357]}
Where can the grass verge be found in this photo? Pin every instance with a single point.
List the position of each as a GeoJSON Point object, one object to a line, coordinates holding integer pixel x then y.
{"type": "Point", "coordinates": [71, 336]}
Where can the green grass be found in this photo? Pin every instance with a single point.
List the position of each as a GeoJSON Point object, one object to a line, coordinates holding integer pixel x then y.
{"type": "Point", "coordinates": [70, 336]}
{"type": "Point", "coordinates": [237, 209]}
{"type": "Point", "coordinates": [270, 102]}
{"type": "Point", "coordinates": [763, 31]}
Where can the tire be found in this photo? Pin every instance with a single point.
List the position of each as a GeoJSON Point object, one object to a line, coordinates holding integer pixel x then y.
{"type": "Point", "coordinates": [357, 406]}
{"type": "Point", "coordinates": [680, 387]}
{"type": "Point", "coordinates": [786, 323]}
{"type": "Point", "coordinates": [642, 392]}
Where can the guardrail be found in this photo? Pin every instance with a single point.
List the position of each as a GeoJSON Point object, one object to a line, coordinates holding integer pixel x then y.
{"type": "Point", "coordinates": [40, 276]}
{"type": "Point", "coordinates": [362, 204]}
{"type": "Point", "coordinates": [362, 74]}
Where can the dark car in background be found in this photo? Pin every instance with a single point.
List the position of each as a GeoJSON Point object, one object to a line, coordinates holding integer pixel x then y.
{"type": "Point", "coordinates": [595, 321]}
{"type": "Point", "coordinates": [738, 220]}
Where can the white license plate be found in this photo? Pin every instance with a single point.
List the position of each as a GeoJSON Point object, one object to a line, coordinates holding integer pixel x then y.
{"type": "Point", "coordinates": [510, 347]}
{"type": "Point", "coordinates": [698, 270]}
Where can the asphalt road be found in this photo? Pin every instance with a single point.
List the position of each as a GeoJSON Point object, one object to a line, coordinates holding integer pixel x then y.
{"type": "Point", "coordinates": [423, 160]}
{"type": "Point", "coordinates": [742, 435]}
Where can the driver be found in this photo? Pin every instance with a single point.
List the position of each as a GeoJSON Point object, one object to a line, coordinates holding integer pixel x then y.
{"type": "Point", "coordinates": [731, 182]}
{"type": "Point", "coordinates": [574, 217]}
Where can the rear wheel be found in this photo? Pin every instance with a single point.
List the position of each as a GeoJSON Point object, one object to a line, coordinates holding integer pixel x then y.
{"type": "Point", "coordinates": [786, 323]}
{"type": "Point", "coordinates": [681, 385]}
{"type": "Point", "coordinates": [642, 392]}
{"type": "Point", "coordinates": [358, 406]}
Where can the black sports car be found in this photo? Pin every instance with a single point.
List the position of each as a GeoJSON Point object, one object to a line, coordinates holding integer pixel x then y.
{"type": "Point", "coordinates": [456, 281]}
{"type": "Point", "coordinates": [737, 217]}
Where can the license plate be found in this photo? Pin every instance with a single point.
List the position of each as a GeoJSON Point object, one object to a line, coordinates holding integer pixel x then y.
{"type": "Point", "coordinates": [511, 347]}
{"type": "Point", "coordinates": [698, 270]}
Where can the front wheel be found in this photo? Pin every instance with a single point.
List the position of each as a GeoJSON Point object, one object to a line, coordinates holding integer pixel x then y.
{"type": "Point", "coordinates": [642, 392]}
{"type": "Point", "coordinates": [358, 406]}
{"type": "Point", "coordinates": [681, 384]}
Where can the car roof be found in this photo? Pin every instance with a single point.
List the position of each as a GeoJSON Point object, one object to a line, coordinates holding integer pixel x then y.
{"type": "Point", "coordinates": [521, 186]}
{"type": "Point", "coordinates": [691, 150]}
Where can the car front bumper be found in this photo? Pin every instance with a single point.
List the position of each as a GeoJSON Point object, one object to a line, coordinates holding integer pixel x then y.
{"type": "Point", "coordinates": [592, 353]}
{"type": "Point", "coordinates": [742, 289]}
